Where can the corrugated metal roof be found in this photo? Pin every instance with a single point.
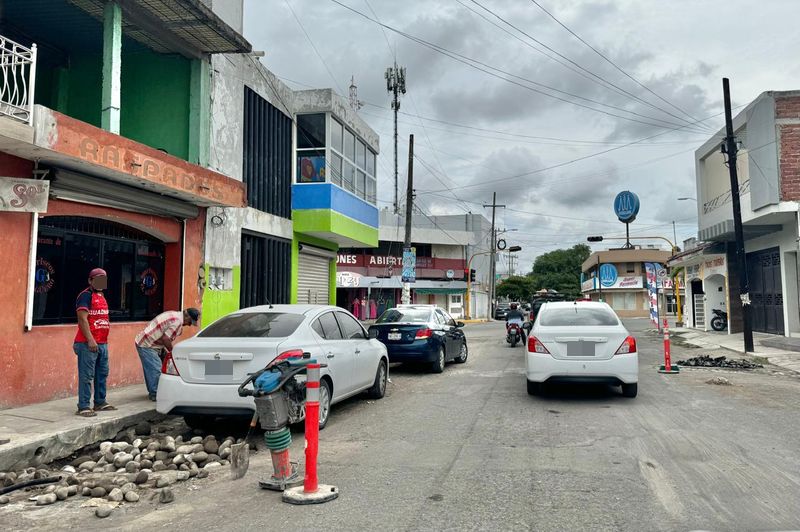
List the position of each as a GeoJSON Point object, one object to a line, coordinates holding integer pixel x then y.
{"type": "Point", "coordinates": [190, 21]}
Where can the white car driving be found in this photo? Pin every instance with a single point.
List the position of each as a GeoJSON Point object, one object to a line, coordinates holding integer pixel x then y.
{"type": "Point", "coordinates": [199, 379]}
{"type": "Point", "coordinates": [581, 342]}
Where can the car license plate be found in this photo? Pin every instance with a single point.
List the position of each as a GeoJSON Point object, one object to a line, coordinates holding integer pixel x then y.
{"type": "Point", "coordinates": [580, 349]}
{"type": "Point", "coordinates": [219, 368]}
{"type": "Point", "coordinates": [394, 336]}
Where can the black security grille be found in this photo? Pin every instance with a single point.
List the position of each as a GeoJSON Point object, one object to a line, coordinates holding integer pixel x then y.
{"type": "Point", "coordinates": [267, 156]}
{"type": "Point", "coordinates": [266, 270]}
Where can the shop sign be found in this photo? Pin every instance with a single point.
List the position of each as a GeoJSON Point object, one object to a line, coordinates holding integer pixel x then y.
{"type": "Point", "coordinates": [693, 271]}
{"type": "Point", "coordinates": [588, 285]}
{"type": "Point", "coordinates": [715, 265]}
{"type": "Point", "coordinates": [608, 275]}
{"type": "Point", "coordinates": [379, 261]}
{"type": "Point", "coordinates": [652, 289]}
{"type": "Point", "coordinates": [23, 195]}
{"type": "Point", "coordinates": [347, 280]}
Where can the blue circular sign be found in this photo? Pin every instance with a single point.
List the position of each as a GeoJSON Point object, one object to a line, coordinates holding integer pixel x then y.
{"type": "Point", "coordinates": [626, 206]}
{"type": "Point", "coordinates": [608, 275]}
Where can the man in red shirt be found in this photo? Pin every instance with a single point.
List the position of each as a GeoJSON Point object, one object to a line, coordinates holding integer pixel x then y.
{"type": "Point", "coordinates": [91, 344]}
{"type": "Point", "coordinates": [160, 334]}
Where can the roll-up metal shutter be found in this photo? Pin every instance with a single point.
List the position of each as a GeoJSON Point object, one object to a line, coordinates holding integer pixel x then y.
{"type": "Point", "coordinates": [313, 276]}
{"type": "Point", "coordinates": [80, 187]}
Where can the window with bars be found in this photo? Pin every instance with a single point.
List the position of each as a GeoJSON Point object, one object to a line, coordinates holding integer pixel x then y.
{"type": "Point", "coordinates": [68, 247]}
{"type": "Point", "coordinates": [267, 156]}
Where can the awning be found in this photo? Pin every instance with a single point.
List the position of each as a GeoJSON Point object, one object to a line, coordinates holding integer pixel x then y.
{"type": "Point", "coordinates": [438, 291]}
{"type": "Point", "coordinates": [187, 27]}
{"type": "Point", "coordinates": [346, 279]}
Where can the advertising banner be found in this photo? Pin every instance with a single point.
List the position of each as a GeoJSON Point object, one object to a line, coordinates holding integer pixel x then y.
{"type": "Point", "coordinates": [409, 265]}
{"type": "Point", "coordinates": [652, 290]}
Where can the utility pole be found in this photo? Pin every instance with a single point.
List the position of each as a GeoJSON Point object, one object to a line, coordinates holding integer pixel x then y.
{"type": "Point", "coordinates": [396, 85]}
{"type": "Point", "coordinates": [730, 148]}
{"type": "Point", "coordinates": [406, 298]}
{"type": "Point", "coordinates": [493, 255]}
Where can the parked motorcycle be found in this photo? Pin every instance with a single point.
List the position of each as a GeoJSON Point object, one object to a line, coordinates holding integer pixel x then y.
{"type": "Point", "coordinates": [720, 320]}
{"type": "Point", "coordinates": [513, 333]}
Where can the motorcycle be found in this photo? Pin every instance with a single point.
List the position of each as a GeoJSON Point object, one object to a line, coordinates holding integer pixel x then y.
{"type": "Point", "coordinates": [720, 320]}
{"type": "Point", "coordinates": [513, 333]}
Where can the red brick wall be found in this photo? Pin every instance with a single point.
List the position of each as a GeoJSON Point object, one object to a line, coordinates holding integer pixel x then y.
{"type": "Point", "coordinates": [789, 153]}
{"type": "Point", "coordinates": [789, 160]}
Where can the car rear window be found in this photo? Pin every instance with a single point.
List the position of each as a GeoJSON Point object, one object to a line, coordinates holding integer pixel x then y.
{"type": "Point", "coordinates": [577, 315]}
{"type": "Point", "coordinates": [254, 325]}
{"type": "Point", "coordinates": [406, 315]}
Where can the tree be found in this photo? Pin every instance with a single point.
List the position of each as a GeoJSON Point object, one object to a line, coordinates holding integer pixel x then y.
{"type": "Point", "coordinates": [560, 269]}
{"type": "Point", "coordinates": [516, 288]}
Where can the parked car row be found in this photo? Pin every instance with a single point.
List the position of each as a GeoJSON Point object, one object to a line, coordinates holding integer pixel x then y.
{"type": "Point", "coordinates": [201, 375]}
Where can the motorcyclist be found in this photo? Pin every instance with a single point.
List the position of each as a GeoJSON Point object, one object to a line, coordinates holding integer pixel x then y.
{"type": "Point", "coordinates": [514, 315]}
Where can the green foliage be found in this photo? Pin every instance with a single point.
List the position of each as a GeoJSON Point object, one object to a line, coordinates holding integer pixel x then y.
{"type": "Point", "coordinates": [516, 288]}
{"type": "Point", "coordinates": [560, 270]}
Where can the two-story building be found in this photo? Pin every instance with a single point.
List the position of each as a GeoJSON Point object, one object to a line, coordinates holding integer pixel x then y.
{"type": "Point", "coordinates": [104, 144]}
{"type": "Point", "coordinates": [307, 161]}
{"type": "Point", "coordinates": [619, 277]}
{"type": "Point", "coordinates": [768, 130]}
{"type": "Point", "coordinates": [369, 280]}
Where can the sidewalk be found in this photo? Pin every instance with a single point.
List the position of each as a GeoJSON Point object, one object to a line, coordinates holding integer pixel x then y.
{"type": "Point", "coordinates": [778, 350]}
{"type": "Point", "coordinates": [48, 431]}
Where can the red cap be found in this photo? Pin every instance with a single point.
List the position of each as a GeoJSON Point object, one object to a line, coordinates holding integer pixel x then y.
{"type": "Point", "coordinates": [97, 272]}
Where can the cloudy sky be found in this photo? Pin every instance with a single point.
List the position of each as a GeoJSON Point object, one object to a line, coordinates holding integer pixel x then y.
{"type": "Point", "coordinates": [503, 98]}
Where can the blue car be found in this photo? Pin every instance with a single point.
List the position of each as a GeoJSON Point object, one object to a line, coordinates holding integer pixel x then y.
{"type": "Point", "coordinates": [421, 334]}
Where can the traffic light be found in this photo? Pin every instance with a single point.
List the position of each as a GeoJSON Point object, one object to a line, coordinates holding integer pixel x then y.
{"type": "Point", "coordinates": [466, 274]}
{"type": "Point", "coordinates": [472, 276]}
{"type": "Point", "coordinates": [595, 239]}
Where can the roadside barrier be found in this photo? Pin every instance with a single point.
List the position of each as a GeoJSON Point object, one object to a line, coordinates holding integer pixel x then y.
{"type": "Point", "coordinates": [668, 367]}
{"type": "Point", "coordinates": [312, 492]}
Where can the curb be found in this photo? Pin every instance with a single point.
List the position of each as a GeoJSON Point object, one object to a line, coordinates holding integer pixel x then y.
{"type": "Point", "coordinates": [36, 449]}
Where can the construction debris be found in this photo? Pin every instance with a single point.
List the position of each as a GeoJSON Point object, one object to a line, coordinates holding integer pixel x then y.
{"type": "Point", "coordinates": [719, 381]}
{"type": "Point", "coordinates": [718, 362]}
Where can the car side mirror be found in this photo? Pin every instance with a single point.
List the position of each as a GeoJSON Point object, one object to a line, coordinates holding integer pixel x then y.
{"type": "Point", "coordinates": [459, 324]}
{"type": "Point", "coordinates": [527, 325]}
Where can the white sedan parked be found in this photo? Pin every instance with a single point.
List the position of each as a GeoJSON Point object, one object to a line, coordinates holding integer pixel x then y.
{"type": "Point", "coordinates": [199, 380]}
{"type": "Point", "coordinates": [581, 342]}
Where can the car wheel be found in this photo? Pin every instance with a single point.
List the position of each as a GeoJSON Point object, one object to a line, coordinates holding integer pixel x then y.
{"type": "Point", "coordinates": [534, 388]}
{"type": "Point", "coordinates": [199, 422]}
{"type": "Point", "coordinates": [438, 365]}
{"type": "Point", "coordinates": [630, 390]}
{"type": "Point", "coordinates": [324, 402]}
{"type": "Point", "coordinates": [378, 389]}
{"type": "Point", "coordinates": [462, 356]}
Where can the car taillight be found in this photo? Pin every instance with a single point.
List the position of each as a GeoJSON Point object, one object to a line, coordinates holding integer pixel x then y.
{"type": "Point", "coordinates": [292, 353]}
{"type": "Point", "coordinates": [628, 346]}
{"type": "Point", "coordinates": [168, 367]}
{"type": "Point", "coordinates": [535, 346]}
{"type": "Point", "coordinates": [423, 333]}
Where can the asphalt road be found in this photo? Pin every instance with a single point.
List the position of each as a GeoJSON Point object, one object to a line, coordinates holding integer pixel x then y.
{"type": "Point", "coordinates": [470, 450]}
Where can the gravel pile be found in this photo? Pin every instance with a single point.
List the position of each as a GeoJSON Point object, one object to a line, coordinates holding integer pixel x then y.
{"type": "Point", "coordinates": [718, 362]}
{"type": "Point", "coordinates": [123, 471]}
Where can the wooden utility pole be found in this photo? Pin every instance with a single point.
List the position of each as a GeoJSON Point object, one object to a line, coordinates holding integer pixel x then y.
{"type": "Point", "coordinates": [730, 148]}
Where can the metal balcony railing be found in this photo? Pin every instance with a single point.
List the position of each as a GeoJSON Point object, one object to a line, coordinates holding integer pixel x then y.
{"type": "Point", "coordinates": [17, 80]}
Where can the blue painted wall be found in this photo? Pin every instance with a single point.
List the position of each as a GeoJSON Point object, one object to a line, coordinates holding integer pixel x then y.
{"type": "Point", "coordinates": [329, 196]}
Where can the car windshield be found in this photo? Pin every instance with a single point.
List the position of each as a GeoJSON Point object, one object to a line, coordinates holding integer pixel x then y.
{"type": "Point", "coordinates": [254, 325]}
{"type": "Point", "coordinates": [405, 315]}
{"type": "Point", "coordinates": [577, 315]}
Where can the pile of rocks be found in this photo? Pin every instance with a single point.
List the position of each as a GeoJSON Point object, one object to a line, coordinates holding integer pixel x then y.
{"type": "Point", "coordinates": [718, 362]}
{"type": "Point", "coordinates": [121, 471]}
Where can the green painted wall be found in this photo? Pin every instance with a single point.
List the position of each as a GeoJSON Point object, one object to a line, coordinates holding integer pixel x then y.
{"type": "Point", "coordinates": [318, 242]}
{"type": "Point", "coordinates": [329, 221]}
{"type": "Point", "coordinates": [156, 101]}
{"type": "Point", "coordinates": [218, 303]}
{"type": "Point", "coordinates": [85, 87]}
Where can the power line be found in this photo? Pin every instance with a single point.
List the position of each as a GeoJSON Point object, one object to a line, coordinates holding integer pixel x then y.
{"type": "Point", "coordinates": [324, 64]}
{"type": "Point", "coordinates": [473, 63]}
{"type": "Point", "coordinates": [612, 63]}
{"type": "Point", "coordinates": [584, 72]}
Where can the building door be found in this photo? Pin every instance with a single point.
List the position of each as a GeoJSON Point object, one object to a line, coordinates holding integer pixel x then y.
{"type": "Point", "coordinates": [766, 290]}
{"type": "Point", "coordinates": [266, 270]}
{"type": "Point", "coordinates": [313, 276]}
{"type": "Point", "coordinates": [698, 304]}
